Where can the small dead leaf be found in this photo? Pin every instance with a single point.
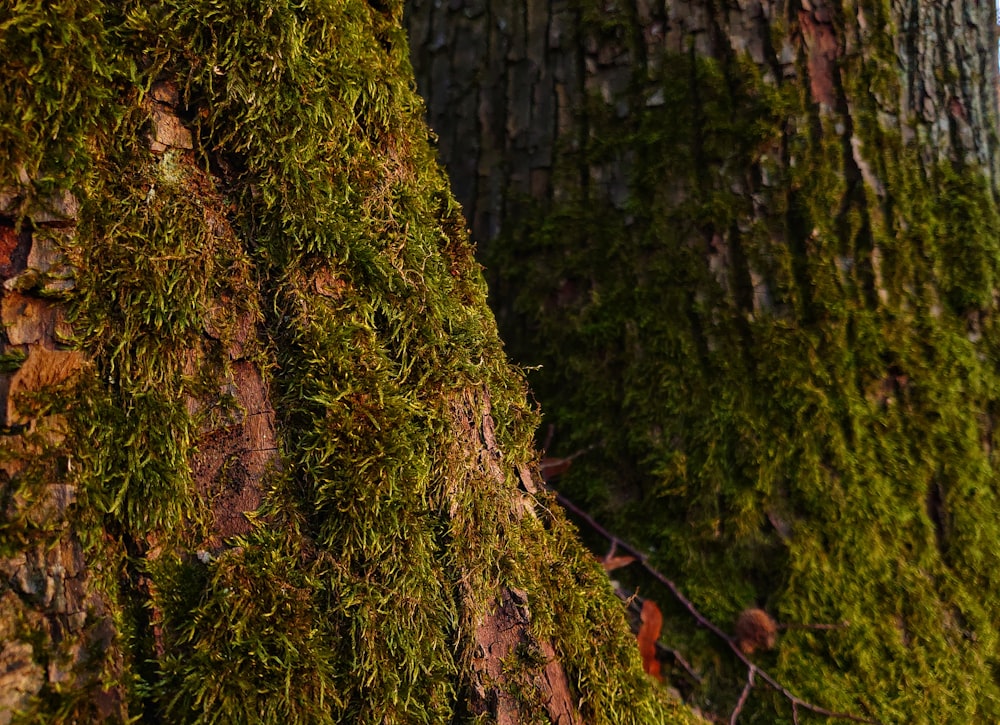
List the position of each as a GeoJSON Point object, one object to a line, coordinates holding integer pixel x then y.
{"type": "Point", "coordinates": [552, 468]}
{"type": "Point", "coordinates": [649, 634]}
{"type": "Point", "coordinates": [610, 563]}
{"type": "Point", "coordinates": [41, 370]}
{"type": "Point", "coordinates": [755, 630]}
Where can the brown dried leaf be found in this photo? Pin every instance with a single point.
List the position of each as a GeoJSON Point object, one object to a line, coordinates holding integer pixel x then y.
{"type": "Point", "coordinates": [755, 630]}
{"type": "Point", "coordinates": [610, 563]}
{"type": "Point", "coordinates": [552, 468]}
{"type": "Point", "coordinates": [649, 634]}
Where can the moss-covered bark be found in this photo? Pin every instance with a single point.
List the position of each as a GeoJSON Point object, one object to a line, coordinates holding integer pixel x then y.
{"type": "Point", "coordinates": [263, 459]}
{"type": "Point", "coordinates": [759, 274]}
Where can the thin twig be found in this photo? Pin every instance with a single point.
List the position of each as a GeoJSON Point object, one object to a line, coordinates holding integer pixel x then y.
{"type": "Point", "coordinates": [549, 435]}
{"type": "Point", "coordinates": [643, 559]}
{"type": "Point", "coordinates": [744, 696]}
{"type": "Point", "coordinates": [679, 659]}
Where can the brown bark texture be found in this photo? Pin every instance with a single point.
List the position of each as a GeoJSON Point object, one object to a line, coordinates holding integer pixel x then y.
{"type": "Point", "coordinates": [507, 84]}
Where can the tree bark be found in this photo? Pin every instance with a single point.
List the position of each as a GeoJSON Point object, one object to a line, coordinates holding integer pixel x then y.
{"type": "Point", "coordinates": [262, 458]}
{"type": "Point", "coordinates": [752, 247]}
{"type": "Point", "coordinates": [506, 84]}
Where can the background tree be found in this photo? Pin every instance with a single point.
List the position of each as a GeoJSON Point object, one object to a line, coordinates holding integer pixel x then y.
{"type": "Point", "coordinates": [754, 248]}
{"type": "Point", "coordinates": [262, 456]}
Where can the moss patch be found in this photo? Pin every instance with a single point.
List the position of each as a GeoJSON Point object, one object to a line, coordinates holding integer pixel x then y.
{"type": "Point", "coordinates": [311, 203]}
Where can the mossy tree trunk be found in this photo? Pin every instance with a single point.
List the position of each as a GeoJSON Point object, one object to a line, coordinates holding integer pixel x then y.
{"type": "Point", "coordinates": [262, 458]}
{"type": "Point", "coordinates": [754, 248]}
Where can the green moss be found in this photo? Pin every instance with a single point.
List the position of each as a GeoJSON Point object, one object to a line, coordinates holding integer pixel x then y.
{"type": "Point", "coordinates": [57, 90]}
{"type": "Point", "coordinates": [257, 624]}
{"type": "Point", "coordinates": [312, 204]}
{"type": "Point", "coordinates": [11, 360]}
{"type": "Point", "coordinates": [787, 377]}
{"type": "Point", "coordinates": [574, 623]}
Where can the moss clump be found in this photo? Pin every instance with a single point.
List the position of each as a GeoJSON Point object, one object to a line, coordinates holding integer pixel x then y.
{"type": "Point", "coordinates": [311, 204]}
{"type": "Point", "coordinates": [261, 626]}
{"type": "Point", "coordinates": [11, 360]}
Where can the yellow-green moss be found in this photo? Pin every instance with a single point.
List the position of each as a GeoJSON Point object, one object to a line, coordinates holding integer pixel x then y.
{"type": "Point", "coordinates": [312, 203]}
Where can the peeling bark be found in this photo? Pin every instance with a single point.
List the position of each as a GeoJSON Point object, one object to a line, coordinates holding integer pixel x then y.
{"type": "Point", "coordinates": [59, 596]}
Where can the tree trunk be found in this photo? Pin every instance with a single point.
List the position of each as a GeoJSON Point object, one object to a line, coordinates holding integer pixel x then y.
{"type": "Point", "coordinates": [753, 247]}
{"type": "Point", "coordinates": [263, 459]}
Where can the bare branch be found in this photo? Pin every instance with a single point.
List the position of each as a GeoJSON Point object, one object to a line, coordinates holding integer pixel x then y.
{"type": "Point", "coordinates": [744, 696]}
{"type": "Point", "coordinates": [643, 559]}
{"type": "Point", "coordinates": [679, 659]}
{"type": "Point", "coordinates": [549, 435]}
